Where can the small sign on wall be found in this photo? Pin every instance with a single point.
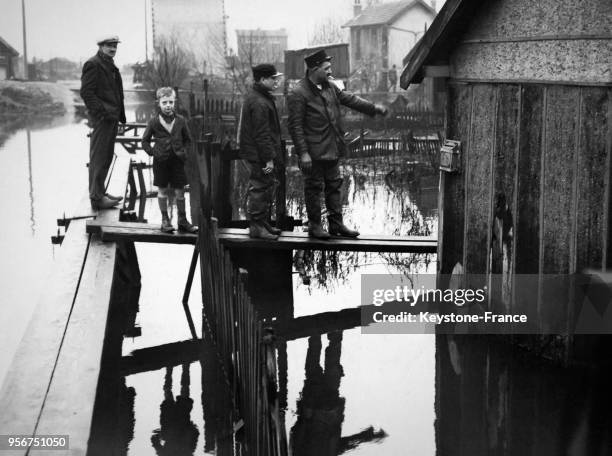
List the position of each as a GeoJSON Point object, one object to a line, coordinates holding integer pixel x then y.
{"type": "Point", "coordinates": [450, 156]}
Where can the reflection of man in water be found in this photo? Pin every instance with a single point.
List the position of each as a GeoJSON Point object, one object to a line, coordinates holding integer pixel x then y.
{"type": "Point", "coordinates": [320, 409]}
{"type": "Point", "coordinates": [177, 435]}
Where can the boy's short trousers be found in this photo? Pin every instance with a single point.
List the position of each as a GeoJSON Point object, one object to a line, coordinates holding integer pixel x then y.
{"type": "Point", "coordinates": [170, 171]}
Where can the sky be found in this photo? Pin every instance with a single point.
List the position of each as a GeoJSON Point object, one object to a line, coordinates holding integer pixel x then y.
{"type": "Point", "coordinates": [69, 28]}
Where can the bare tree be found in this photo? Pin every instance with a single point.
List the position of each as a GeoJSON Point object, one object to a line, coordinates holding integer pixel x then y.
{"type": "Point", "coordinates": [171, 64]}
{"type": "Point", "coordinates": [328, 31]}
{"type": "Point", "coordinates": [253, 49]}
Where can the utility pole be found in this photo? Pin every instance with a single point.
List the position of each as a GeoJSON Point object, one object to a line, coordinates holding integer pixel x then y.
{"type": "Point", "coordinates": [146, 32]}
{"type": "Point", "coordinates": [25, 46]}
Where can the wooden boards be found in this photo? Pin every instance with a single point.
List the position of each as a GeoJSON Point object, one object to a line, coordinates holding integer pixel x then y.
{"type": "Point", "coordinates": [239, 238]}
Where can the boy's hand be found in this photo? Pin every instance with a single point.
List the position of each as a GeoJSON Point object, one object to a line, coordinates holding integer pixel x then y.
{"type": "Point", "coordinates": [269, 167]}
{"type": "Point", "coordinates": [381, 109]}
{"type": "Point", "coordinates": [305, 163]}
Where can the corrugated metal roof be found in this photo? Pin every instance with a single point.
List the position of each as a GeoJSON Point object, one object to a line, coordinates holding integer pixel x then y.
{"type": "Point", "coordinates": [386, 13]}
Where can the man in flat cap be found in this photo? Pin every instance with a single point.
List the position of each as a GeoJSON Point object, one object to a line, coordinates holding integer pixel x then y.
{"type": "Point", "coordinates": [102, 92]}
{"type": "Point", "coordinates": [318, 137]}
{"type": "Point", "coordinates": [260, 146]}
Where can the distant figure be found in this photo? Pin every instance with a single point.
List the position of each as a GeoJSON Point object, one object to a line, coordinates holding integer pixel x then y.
{"type": "Point", "coordinates": [102, 92]}
{"type": "Point", "coordinates": [365, 81]}
{"type": "Point", "coordinates": [260, 146]}
{"type": "Point", "coordinates": [392, 78]}
{"type": "Point", "coordinates": [172, 140]}
{"type": "Point", "coordinates": [318, 137]}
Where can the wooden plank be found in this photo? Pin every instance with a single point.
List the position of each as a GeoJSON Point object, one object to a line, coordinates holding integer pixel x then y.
{"type": "Point", "coordinates": [478, 185]}
{"type": "Point", "coordinates": [453, 185]}
{"type": "Point", "coordinates": [290, 241]}
{"type": "Point", "coordinates": [527, 226]}
{"type": "Point", "coordinates": [81, 354]}
{"type": "Point", "coordinates": [128, 234]}
{"type": "Point", "coordinates": [161, 356]}
{"type": "Point", "coordinates": [25, 385]}
{"type": "Point", "coordinates": [529, 178]}
{"type": "Point", "coordinates": [558, 200]}
{"type": "Point", "coordinates": [334, 244]}
{"type": "Point", "coordinates": [95, 226]}
{"type": "Point", "coordinates": [504, 174]}
{"type": "Point", "coordinates": [591, 175]}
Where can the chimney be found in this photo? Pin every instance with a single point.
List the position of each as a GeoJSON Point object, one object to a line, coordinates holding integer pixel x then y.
{"type": "Point", "coordinates": [357, 8]}
{"type": "Point", "coordinates": [433, 5]}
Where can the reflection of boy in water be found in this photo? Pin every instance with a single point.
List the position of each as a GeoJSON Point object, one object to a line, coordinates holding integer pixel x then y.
{"type": "Point", "coordinates": [177, 435]}
{"type": "Point", "coordinates": [321, 409]}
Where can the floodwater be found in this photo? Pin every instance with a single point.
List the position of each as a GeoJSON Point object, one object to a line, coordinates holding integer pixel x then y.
{"type": "Point", "coordinates": [346, 392]}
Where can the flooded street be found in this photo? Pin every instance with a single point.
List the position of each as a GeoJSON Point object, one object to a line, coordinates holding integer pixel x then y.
{"type": "Point", "coordinates": [340, 391]}
{"type": "Point", "coordinates": [43, 177]}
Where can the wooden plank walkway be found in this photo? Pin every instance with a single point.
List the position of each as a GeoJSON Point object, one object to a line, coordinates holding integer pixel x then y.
{"type": "Point", "coordinates": [51, 385]}
{"type": "Point", "coordinates": [239, 238]}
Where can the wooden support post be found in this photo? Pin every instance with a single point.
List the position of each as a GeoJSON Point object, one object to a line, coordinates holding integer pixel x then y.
{"type": "Point", "coordinates": [204, 164]}
{"type": "Point", "coordinates": [281, 191]}
{"type": "Point", "coordinates": [220, 185]}
{"type": "Point", "coordinates": [142, 194]}
{"type": "Point", "coordinates": [192, 267]}
{"type": "Point", "coordinates": [132, 186]}
{"type": "Point", "coordinates": [192, 165]}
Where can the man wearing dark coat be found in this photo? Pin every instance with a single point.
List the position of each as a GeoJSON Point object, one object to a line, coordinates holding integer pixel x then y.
{"type": "Point", "coordinates": [260, 147]}
{"type": "Point", "coordinates": [318, 137]}
{"type": "Point", "coordinates": [102, 92]}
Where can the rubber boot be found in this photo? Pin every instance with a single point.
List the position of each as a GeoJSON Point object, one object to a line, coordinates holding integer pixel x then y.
{"type": "Point", "coordinates": [270, 228]}
{"type": "Point", "coordinates": [342, 230]}
{"type": "Point", "coordinates": [257, 230]}
{"type": "Point", "coordinates": [315, 230]}
{"type": "Point", "coordinates": [166, 224]}
{"type": "Point", "coordinates": [184, 225]}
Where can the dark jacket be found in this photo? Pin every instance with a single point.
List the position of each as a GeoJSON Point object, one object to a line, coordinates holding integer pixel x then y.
{"type": "Point", "coordinates": [165, 143]}
{"type": "Point", "coordinates": [102, 89]}
{"type": "Point", "coordinates": [315, 122]}
{"type": "Point", "coordinates": [260, 134]}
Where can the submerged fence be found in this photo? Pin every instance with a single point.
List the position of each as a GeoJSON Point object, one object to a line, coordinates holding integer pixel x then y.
{"type": "Point", "coordinates": [246, 348]}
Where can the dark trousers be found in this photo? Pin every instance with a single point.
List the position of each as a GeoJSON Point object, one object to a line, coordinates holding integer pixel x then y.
{"type": "Point", "coordinates": [101, 150]}
{"type": "Point", "coordinates": [324, 175]}
{"type": "Point", "coordinates": [261, 192]}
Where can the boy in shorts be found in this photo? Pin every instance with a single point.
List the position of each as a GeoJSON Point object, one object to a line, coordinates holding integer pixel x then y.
{"type": "Point", "coordinates": [171, 137]}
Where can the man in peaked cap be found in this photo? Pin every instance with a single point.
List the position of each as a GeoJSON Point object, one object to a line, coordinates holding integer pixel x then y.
{"type": "Point", "coordinates": [318, 137]}
{"type": "Point", "coordinates": [260, 146]}
{"type": "Point", "coordinates": [102, 92]}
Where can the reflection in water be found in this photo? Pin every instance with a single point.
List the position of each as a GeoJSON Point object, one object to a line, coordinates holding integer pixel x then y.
{"type": "Point", "coordinates": [217, 405]}
{"type": "Point", "coordinates": [32, 218]}
{"type": "Point", "coordinates": [177, 434]}
{"type": "Point", "coordinates": [320, 409]}
{"type": "Point", "coordinates": [491, 399]}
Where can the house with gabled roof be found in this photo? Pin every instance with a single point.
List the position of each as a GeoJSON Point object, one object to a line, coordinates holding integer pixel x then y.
{"type": "Point", "coordinates": [382, 34]}
{"type": "Point", "coordinates": [7, 57]}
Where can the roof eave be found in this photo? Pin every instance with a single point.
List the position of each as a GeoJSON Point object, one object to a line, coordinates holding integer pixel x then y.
{"type": "Point", "coordinates": [436, 44]}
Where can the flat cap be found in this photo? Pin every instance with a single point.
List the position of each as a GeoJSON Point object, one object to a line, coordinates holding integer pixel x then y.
{"type": "Point", "coordinates": [317, 58]}
{"type": "Point", "coordinates": [265, 70]}
{"type": "Point", "coordinates": [108, 39]}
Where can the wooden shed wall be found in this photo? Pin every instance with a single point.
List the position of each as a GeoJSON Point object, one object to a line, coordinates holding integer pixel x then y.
{"type": "Point", "coordinates": [548, 40]}
{"type": "Point", "coordinates": [533, 196]}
